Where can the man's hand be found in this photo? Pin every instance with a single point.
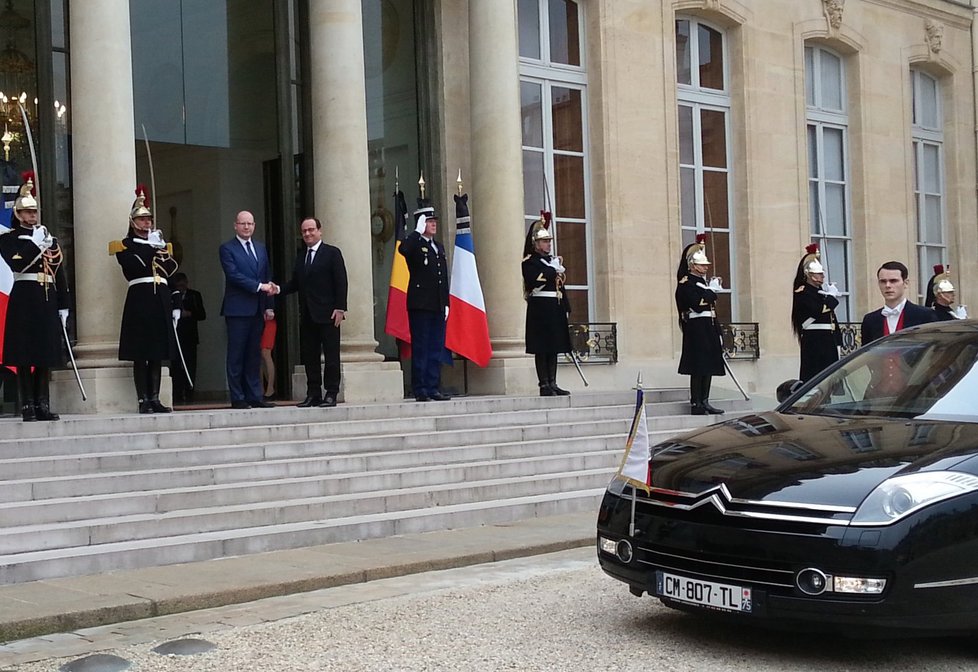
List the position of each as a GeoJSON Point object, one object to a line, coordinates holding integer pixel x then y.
{"type": "Point", "coordinates": [41, 237]}
{"type": "Point", "coordinates": [829, 289]}
{"type": "Point", "coordinates": [338, 316]}
{"type": "Point", "coordinates": [422, 224]}
{"type": "Point", "coordinates": [176, 315]}
{"type": "Point", "coordinates": [155, 239]}
{"type": "Point", "coordinates": [269, 315]}
{"type": "Point", "coordinates": [63, 314]}
{"type": "Point", "coordinates": [270, 288]}
{"type": "Point", "coordinates": [556, 263]}
{"type": "Point", "coordinates": [961, 312]}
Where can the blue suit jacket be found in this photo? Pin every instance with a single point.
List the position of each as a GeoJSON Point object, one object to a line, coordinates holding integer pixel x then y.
{"type": "Point", "coordinates": [242, 298]}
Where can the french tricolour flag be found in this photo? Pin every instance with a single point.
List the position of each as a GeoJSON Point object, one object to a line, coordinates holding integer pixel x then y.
{"type": "Point", "coordinates": [6, 275]}
{"type": "Point", "coordinates": [467, 331]}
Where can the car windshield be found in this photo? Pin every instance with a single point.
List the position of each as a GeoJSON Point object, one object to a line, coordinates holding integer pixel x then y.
{"type": "Point", "coordinates": [929, 374]}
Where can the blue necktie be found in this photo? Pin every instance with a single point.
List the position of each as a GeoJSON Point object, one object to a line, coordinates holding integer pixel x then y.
{"type": "Point", "coordinates": [251, 252]}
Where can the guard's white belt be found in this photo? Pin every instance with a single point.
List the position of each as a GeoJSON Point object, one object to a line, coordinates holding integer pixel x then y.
{"type": "Point", "coordinates": [540, 294]}
{"type": "Point", "coordinates": [34, 277]}
{"type": "Point", "coordinates": [821, 326]}
{"type": "Point", "coordinates": [159, 280]}
{"type": "Point", "coordinates": [707, 313]}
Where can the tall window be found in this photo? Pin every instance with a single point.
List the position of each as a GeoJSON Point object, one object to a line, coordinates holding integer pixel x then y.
{"type": "Point", "coordinates": [828, 169]}
{"type": "Point", "coordinates": [704, 148]}
{"type": "Point", "coordinates": [553, 95]}
{"type": "Point", "coordinates": [928, 173]}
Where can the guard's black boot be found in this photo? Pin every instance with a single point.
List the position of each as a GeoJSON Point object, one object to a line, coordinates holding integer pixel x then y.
{"type": "Point", "coordinates": [155, 377]}
{"type": "Point", "coordinates": [705, 398]}
{"type": "Point", "coordinates": [25, 390]}
{"type": "Point", "coordinates": [543, 376]}
{"type": "Point", "coordinates": [42, 383]}
{"type": "Point", "coordinates": [140, 377]}
{"type": "Point", "coordinates": [547, 391]}
{"type": "Point", "coordinates": [696, 396]}
{"type": "Point", "coordinates": [552, 376]}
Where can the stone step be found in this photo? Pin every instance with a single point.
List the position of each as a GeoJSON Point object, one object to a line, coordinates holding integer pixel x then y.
{"type": "Point", "coordinates": [330, 481]}
{"type": "Point", "coordinates": [83, 425]}
{"type": "Point", "coordinates": [97, 531]}
{"type": "Point", "coordinates": [248, 435]}
{"type": "Point", "coordinates": [38, 565]}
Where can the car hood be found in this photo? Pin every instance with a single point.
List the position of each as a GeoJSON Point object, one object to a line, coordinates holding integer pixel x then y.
{"type": "Point", "coordinates": [808, 459]}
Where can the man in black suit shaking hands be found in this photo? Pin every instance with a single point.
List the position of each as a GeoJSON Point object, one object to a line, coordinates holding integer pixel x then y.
{"type": "Point", "coordinates": [897, 313]}
{"type": "Point", "coordinates": [320, 278]}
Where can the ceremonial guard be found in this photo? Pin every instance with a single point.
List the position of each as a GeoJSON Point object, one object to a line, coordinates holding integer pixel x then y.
{"type": "Point", "coordinates": [37, 309]}
{"type": "Point", "coordinates": [941, 296]}
{"type": "Point", "coordinates": [152, 308]}
{"type": "Point", "coordinates": [813, 315]}
{"type": "Point", "coordinates": [547, 306]}
{"type": "Point", "coordinates": [702, 356]}
{"type": "Point", "coordinates": [427, 302]}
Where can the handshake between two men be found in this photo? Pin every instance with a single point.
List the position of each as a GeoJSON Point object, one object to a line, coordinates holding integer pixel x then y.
{"type": "Point", "coordinates": [272, 289]}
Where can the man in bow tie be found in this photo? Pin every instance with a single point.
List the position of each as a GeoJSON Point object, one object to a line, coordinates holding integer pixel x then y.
{"type": "Point", "coordinates": [897, 313]}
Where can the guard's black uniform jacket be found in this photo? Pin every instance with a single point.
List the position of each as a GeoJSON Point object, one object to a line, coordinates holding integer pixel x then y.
{"type": "Point", "coordinates": [547, 307]}
{"type": "Point", "coordinates": [943, 312]}
{"type": "Point", "coordinates": [702, 354]}
{"type": "Point", "coordinates": [32, 336]}
{"type": "Point", "coordinates": [428, 285]}
{"type": "Point", "coordinates": [813, 317]}
{"type": "Point", "coordinates": [147, 318]}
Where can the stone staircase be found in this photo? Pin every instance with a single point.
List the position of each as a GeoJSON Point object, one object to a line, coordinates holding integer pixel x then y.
{"type": "Point", "coordinates": [89, 495]}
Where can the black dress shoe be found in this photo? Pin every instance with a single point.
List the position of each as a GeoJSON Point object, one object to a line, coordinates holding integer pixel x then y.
{"type": "Point", "coordinates": [697, 409]}
{"type": "Point", "coordinates": [547, 391]}
{"type": "Point", "coordinates": [158, 407]}
{"type": "Point", "coordinates": [328, 402]}
{"type": "Point", "coordinates": [711, 409]}
{"type": "Point", "coordinates": [559, 391]}
{"type": "Point", "coordinates": [309, 402]}
{"type": "Point", "coordinates": [260, 404]}
{"type": "Point", "coordinates": [421, 397]}
{"type": "Point", "coordinates": [438, 396]}
{"type": "Point", "coordinates": [240, 404]}
{"type": "Point", "coordinates": [28, 413]}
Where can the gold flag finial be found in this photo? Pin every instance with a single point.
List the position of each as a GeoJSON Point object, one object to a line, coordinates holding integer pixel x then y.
{"type": "Point", "coordinates": [458, 182]}
{"type": "Point", "coordinates": [421, 183]}
{"type": "Point", "coordinates": [638, 383]}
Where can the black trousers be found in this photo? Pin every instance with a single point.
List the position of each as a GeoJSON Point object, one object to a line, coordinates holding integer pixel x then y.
{"type": "Point", "coordinates": [317, 340]}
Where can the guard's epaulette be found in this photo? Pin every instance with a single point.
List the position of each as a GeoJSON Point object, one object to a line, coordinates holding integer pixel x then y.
{"type": "Point", "coordinates": [683, 281]}
{"type": "Point", "coordinates": [169, 249]}
{"type": "Point", "coordinates": [116, 246]}
{"type": "Point", "coordinates": [527, 257]}
{"type": "Point", "coordinates": [801, 288]}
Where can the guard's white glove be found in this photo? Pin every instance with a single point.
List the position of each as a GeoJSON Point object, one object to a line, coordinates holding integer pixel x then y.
{"type": "Point", "coordinates": [446, 312]}
{"type": "Point", "coordinates": [961, 312]}
{"type": "Point", "coordinates": [829, 289]}
{"type": "Point", "coordinates": [176, 315]}
{"type": "Point", "coordinates": [41, 237]}
{"type": "Point", "coordinates": [422, 224]}
{"type": "Point", "coordinates": [715, 284]}
{"type": "Point", "coordinates": [155, 239]}
{"type": "Point", "coordinates": [555, 263]}
{"type": "Point", "coordinates": [63, 314]}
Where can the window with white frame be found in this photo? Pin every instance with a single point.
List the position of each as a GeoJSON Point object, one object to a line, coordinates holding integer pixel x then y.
{"type": "Point", "coordinates": [828, 169]}
{"type": "Point", "coordinates": [704, 148]}
{"type": "Point", "coordinates": [928, 174]}
{"type": "Point", "coordinates": [553, 99]}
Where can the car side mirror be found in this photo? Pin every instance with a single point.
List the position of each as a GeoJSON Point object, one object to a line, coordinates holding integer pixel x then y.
{"type": "Point", "coordinates": [788, 388]}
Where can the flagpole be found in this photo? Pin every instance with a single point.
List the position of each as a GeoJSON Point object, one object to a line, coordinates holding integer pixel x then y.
{"type": "Point", "coordinates": [631, 520]}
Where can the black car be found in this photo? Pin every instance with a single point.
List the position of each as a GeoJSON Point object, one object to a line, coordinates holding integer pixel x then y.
{"type": "Point", "coordinates": [852, 505]}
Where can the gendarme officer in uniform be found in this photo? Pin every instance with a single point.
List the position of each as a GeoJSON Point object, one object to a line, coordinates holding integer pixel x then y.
{"type": "Point", "coordinates": [152, 307]}
{"type": "Point", "coordinates": [427, 303]}
{"type": "Point", "coordinates": [813, 315]}
{"type": "Point", "coordinates": [546, 306]}
{"type": "Point", "coordinates": [941, 296]}
{"type": "Point", "coordinates": [38, 305]}
{"type": "Point", "coordinates": [702, 356]}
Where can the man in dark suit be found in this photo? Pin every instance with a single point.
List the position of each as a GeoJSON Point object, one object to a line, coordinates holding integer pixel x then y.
{"type": "Point", "coordinates": [897, 313]}
{"type": "Point", "coordinates": [427, 303]}
{"type": "Point", "coordinates": [191, 313]}
{"type": "Point", "coordinates": [247, 304]}
{"type": "Point", "coordinates": [319, 276]}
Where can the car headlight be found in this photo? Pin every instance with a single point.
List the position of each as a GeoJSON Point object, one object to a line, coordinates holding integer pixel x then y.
{"type": "Point", "coordinates": [900, 496]}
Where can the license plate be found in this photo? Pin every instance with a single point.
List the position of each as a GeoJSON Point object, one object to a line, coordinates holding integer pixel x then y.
{"type": "Point", "coordinates": [720, 596]}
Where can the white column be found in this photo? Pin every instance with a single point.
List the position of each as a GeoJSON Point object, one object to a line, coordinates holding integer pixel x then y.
{"type": "Point", "coordinates": [104, 177]}
{"type": "Point", "coordinates": [341, 186]}
{"type": "Point", "coordinates": [497, 187]}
